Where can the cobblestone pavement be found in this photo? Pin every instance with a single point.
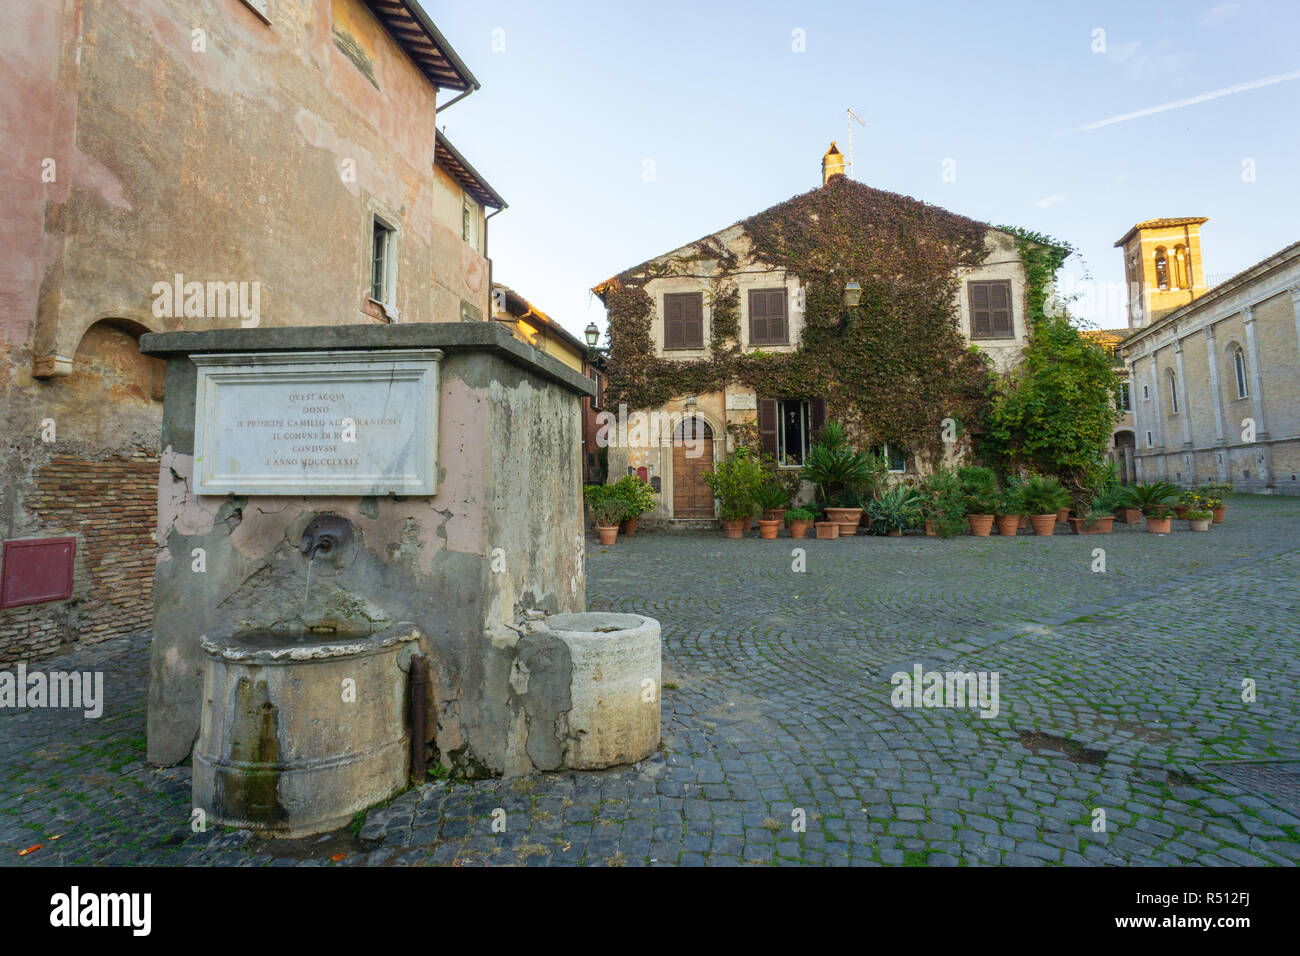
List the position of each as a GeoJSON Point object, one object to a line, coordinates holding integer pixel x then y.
{"type": "Point", "coordinates": [1120, 691]}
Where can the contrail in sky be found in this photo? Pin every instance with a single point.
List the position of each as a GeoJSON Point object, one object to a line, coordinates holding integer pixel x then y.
{"type": "Point", "coordinates": [1212, 95]}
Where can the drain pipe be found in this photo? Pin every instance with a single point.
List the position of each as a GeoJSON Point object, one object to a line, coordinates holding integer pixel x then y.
{"type": "Point", "coordinates": [419, 692]}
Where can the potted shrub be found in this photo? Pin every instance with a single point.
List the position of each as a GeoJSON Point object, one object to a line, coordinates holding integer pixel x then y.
{"type": "Point", "coordinates": [771, 500]}
{"type": "Point", "coordinates": [1188, 500]}
{"type": "Point", "coordinates": [1093, 521]}
{"type": "Point", "coordinates": [1044, 499]}
{"type": "Point", "coordinates": [1154, 501]}
{"type": "Point", "coordinates": [1199, 520]}
{"type": "Point", "coordinates": [1011, 508]}
{"type": "Point", "coordinates": [607, 510]}
{"type": "Point", "coordinates": [734, 482]}
{"type": "Point", "coordinates": [799, 520]}
{"type": "Point", "coordinates": [639, 498]}
{"type": "Point", "coordinates": [979, 488]}
{"type": "Point", "coordinates": [895, 511]}
{"type": "Point", "coordinates": [839, 473]}
{"type": "Point", "coordinates": [942, 507]}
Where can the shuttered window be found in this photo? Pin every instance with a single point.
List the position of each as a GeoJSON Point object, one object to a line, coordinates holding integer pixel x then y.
{"type": "Point", "coordinates": [684, 320]}
{"type": "Point", "coordinates": [786, 427]}
{"type": "Point", "coordinates": [990, 310]}
{"type": "Point", "coordinates": [767, 317]}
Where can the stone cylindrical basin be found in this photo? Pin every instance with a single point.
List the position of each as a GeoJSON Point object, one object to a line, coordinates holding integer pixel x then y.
{"type": "Point", "coordinates": [614, 688]}
{"type": "Point", "coordinates": [300, 730]}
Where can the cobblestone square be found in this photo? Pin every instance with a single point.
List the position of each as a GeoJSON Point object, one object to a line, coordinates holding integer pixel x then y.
{"type": "Point", "coordinates": [1119, 691]}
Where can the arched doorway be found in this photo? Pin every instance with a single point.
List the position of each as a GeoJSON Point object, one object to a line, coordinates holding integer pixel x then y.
{"type": "Point", "coordinates": [1125, 446]}
{"type": "Point", "coordinates": [692, 460]}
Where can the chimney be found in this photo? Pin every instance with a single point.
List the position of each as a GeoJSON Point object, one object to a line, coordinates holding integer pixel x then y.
{"type": "Point", "coordinates": [832, 164]}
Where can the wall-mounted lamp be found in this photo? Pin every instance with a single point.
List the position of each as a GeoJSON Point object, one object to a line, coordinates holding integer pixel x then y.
{"type": "Point", "coordinates": [852, 294]}
{"type": "Point", "coordinates": [593, 335]}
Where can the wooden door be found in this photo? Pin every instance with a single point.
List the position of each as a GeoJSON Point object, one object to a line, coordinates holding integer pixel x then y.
{"type": "Point", "coordinates": [691, 496]}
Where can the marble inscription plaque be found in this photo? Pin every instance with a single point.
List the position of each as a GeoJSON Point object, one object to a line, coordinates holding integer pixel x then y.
{"type": "Point", "coordinates": [317, 423]}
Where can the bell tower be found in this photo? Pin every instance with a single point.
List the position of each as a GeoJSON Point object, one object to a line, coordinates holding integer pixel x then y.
{"type": "Point", "coordinates": [832, 164]}
{"type": "Point", "coordinates": [1162, 267]}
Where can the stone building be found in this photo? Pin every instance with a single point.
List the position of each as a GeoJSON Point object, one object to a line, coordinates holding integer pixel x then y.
{"type": "Point", "coordinates": [181, 165]}
{"type": "Point", "coordinates": [990, 314]}
{"type": "Point", "coordinates": [1215, 372]}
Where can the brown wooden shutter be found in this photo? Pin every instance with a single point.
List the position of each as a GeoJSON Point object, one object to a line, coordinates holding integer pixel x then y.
{"type": "Point", "coordinates": [693, 320]}
{"type": "Point", "coordinates": [673, 322]}
{"type": "Point", "coordinates": [817, 412]}
{"type": "Point", "coordinates": [776, 308]}
{"type": "Point", "coordinates": [980, 322]}
{"type": "Point", "coordinates": [757, 316]}
{"type": "Point", "coordinates": [1000, 309]}
{"type": "Point", "coordinates": [767, 425]}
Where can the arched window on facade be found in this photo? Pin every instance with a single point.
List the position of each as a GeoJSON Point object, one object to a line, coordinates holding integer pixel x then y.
{"type": "Point", "coordinates": [1173, 392]}
{"type": "Point", "coordinates": [1182, 273]}
{"type": "Point", "coordinates": [1239, 370]}
{"type": "Point", "coordinates": [1162, 268]}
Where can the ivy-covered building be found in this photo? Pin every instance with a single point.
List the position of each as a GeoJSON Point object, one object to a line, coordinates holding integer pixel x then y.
{"type": "Point", "coordinates": [846, 302]}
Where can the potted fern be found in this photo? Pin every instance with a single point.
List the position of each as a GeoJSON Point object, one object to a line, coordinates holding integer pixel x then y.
{"type": "Point", "coordinates": [1011, 507]}
{"type": "Point", "coordinates": [771, 500]}
{"type": "Point", "coordinates": [895, 511]}
{"type": "Point", "coordinates": [838, 473]}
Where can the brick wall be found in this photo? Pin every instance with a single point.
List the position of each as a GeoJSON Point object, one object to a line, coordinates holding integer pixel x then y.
{"type": "Point", "coordinates": [110, 506]}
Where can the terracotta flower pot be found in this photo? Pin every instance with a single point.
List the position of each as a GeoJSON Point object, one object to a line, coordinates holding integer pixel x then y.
{"type": "Point", "coordinates": [768, 527]}
{"type": "Point", "coordinates": [828, 529]}
{"type": "Point", "coordinates": [1130, 515]}
{"type": "Point", "coordinates": [1024, 521]}
{"type": "Point", "coordinates": [799, 528]}
{"type": "Point", "coordinates": [1076, 525]}
{"type": "Point", "coordinates": [628, 526]}
{"type": "Point", "coordinates": [1158, 525]}
{"type": "Point", "coordinates": [980, 525]}
{"type": "Point", "coordinates": [1008, 525]}
{"type": "Point", "coordinates": [1100, 526]}
{"type": "Point", "coordinates": [1062, 516]}
{"type": "Point", "coordinates": [608, 534]}
{"type": "Point", "coordinates": [1043, 524]}
{"type": "Point", "coordinates": [774, 514]}
{"type": "Point", "coordinates": [894, 534]}
{"type": "Point", "coordinates": [735, 527]}
{"type": "Point", "coordinates": [1200, 524]}
{"type": "Point", "coordinates": [1218, 514]}
{"type": "Point", "coordinates": [847, 518]}
{"type": "Point", "coordinates": [929, 529]}
{"type": "Point", "coordinates": [1180, 511]}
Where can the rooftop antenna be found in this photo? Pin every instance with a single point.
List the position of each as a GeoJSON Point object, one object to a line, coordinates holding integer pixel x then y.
{"type": "Point", "coordinates": [848, 121]}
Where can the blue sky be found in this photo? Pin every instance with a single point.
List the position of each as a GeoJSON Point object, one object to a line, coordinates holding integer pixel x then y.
{"type": "Point", "coordinates": [735, 120]}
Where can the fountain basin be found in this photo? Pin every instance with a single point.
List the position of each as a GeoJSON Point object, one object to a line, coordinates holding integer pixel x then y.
{"type": "Point", "coordinates": [614, 687]}
{"type": "Point", "coordinates": [300, 730]}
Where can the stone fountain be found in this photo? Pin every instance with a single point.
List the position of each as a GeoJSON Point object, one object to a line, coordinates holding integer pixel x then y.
{"type": "Point", "coordinates": [337, 502]}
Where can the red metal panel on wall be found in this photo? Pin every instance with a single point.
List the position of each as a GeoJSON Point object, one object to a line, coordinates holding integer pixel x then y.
{"type": "Point", "coordinates": [37, 570]}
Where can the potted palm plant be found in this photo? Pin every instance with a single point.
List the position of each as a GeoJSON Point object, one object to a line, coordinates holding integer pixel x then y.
{"type": "Point", "coordinates": [607, 510]}
{"type": "Point", "coordinates": [771, 499]}
{"type": "Point", "coordinates": [734, 482]}
{"type": "Point", "coordinates": [838, 472]}
{"type": "Point", "coordinates": [979, 488]}
{"type": "Point", "coordinates": [1044, 498]}
{"type": "Point", "coordinates": [1154, 501]}
{"type": "Point", "coordinates": [799, 520]}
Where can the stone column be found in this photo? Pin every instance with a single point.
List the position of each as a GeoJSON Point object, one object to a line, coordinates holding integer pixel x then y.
{"type": "Point", "coordinates": [1185, 408]}
{"type": "Point", "coordinates": [1295, 309]}
{"type": "Point", "coordinates": [1158, 425]}
{"type": "Point", "coordinates": [1263, 456]}
{"type": "Point", "coordinates": [1216, 401]}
